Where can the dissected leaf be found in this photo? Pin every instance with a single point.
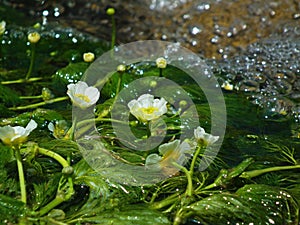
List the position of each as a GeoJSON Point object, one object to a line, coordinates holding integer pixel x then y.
{"type": "Point", "coordinates": [257, 204]}
{"type": "Point", "coordinates": [10, 209]}
{"type": "Point", "coordinates": [134, 214]}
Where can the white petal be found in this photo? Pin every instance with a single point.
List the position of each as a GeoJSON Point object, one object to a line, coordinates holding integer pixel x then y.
{"type": "Point", "coordinates": [7, 132]}
{"type": "Point", "coordinates": [51, 127]}
{"type": "Point", "coordinates": [171, 146]}
{"type": "Point", "coordinates": [71, 88]}
{"type": "Point", "coordinates": [199, 132]}
{"type": "Point", "coordinates": [132, 103]}
{"type": "Point", "coordinates": [93, 94]}
{"type": "Point", "coordinates": [71, 91]}
{"type": "Point", "coordinates": [80, 87]}
{"type": "Point", "coordinates": [31, 126]}
{"type": "Point", "coordinates": [146, 100]}
{"type": "Point", "coordinates": [19, 130]}
{"type": "Point", "coordinates": [185, 148]}
{"type": "Point", "coordinates": [152, 159]}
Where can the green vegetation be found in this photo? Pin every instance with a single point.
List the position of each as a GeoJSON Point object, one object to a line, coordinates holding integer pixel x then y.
{"type": "Point", "coordinates": [254, 179]}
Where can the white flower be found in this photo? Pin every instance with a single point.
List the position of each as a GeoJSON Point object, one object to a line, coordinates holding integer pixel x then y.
{"type": "Point", "coordinates": [171, 152]}
{"type": "Point", "coordinates": [17, 135]}
{"type": "Point", "coordinates": [2, 27]}
{"type": "Point", "coordinates": [161, 63]}
{"type": "Point", "coordinates": [58, 130]}
{"type": "Point", "coordinates": [202, 137]}
{"type": "Point", "coordinates": [82, 95]}
{"type": "Point", "coordinates": [146, 108]}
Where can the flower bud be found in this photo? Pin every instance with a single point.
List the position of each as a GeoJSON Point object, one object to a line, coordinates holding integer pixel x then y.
{"type": "Point", "coordinates": [34, 37]}
{"type": "Point", "coordinates": [110, 11]}
{"type": "Point", "coordinates": [227, 86]}
{"type": "Point", "coordinates": [2, 27]}
{"type": "Point", "coordinates": [161, 63]}
{"type": "Point", "coordinates": [121, 68]}
{"type": "Point", "coordinates": [153, 83]}
{"type": "Point", "coordinates": [68, 170]}
{"type": "Point", "coordinates": [46, 94]}
{"type": "Point", "coordinates": [88, 57]}
{"type": "Point", "coordinates": [183, 103]}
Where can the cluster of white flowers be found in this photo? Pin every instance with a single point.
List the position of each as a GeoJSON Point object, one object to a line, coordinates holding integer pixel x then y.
{"type": "Point", "coordinates": [147, 108]}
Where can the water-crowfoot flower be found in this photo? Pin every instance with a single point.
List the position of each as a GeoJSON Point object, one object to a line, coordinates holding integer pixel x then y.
{"type": "Point", "coordinates": [82, 95]}
{"type": "Point", "coordinates": [2, 27]}
{"type": "Point", "coordinates": [204, 138]}
{"type": "Point", "coordinates": [172, 152]}
{"type": "Point", "coordinates": [15, 136]}
{"type": "Point", "coordinates": [59, 129]}
{"type": "Point", "coordinates": [146, 108]}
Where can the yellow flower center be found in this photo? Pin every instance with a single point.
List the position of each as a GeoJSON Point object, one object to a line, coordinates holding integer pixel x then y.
{"type": "Point", "coordinates": [83, 97]}
{"type": "Point", "coordinates": [149, 110]}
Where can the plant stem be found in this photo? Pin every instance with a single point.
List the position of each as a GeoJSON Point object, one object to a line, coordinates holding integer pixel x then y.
{"type": "Point", "coordinates": [53, 155]}
{"type": "Point", "coordinates": [31, 97]}
{"type": "Point", "coordinates": [189, 187]}
{"type": "Point", "coordinates": [255, 173]}
{"type": "Point", "coordinates": [21, 175]}
{"type": "Point", "coordinates": [32, 59]}
{"type": "Point", "coordinates": [55, 202]}
{"type": "Point", "coordinates": [61, 196]}
{"type": "Point", "coordinates": [118, 85]}
{"type": "Point", "coordinates": [167, 201]}
{"type": "Point", "coordinates": [39, 103]}
{"type": "Point", "coordinates": [160, 72]}
{"type": "Point", "coordinates": [20, 81]}
{"type": "Point", "coordinates": [113, 33]}
{"type": "Point", "coordinates": [192, 166]}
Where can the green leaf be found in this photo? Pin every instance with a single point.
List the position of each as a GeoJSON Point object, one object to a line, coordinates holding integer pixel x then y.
{"type": "Point", "coordinates": [258, 204]}
{"type": "Point", "coordinates": [72, 72]}
{"type": "Point", "coordinates": [133, 214]}
{"type": "Point", "coordinates": [8, 96]}
{"type": "Point", "coordinates": [10, 209]}
{"type": "Point", "coordinates": [66, 148]}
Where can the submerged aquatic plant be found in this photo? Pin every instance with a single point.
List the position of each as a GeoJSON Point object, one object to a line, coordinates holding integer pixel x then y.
{"type": "Point", "coordinates": [62, 188]}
